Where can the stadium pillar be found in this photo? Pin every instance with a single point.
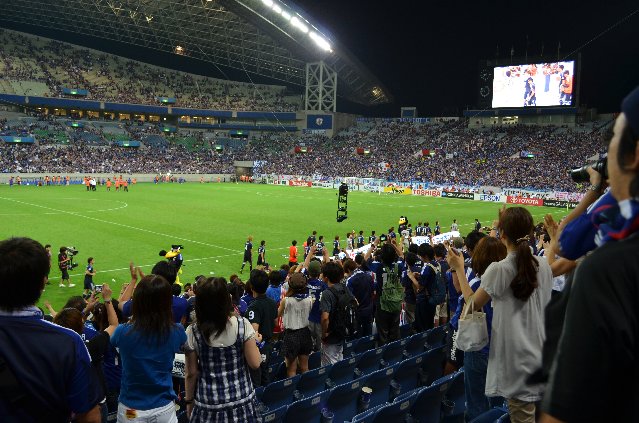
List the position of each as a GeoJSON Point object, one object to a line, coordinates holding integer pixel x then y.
{"type": "Point", "coordinates": [321, 88]}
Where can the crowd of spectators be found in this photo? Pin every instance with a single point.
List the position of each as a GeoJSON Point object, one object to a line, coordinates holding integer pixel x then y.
{"type": "Point", "coordinates": [456, 156]}
{"type": "Point", "coordinates": [111, 78]}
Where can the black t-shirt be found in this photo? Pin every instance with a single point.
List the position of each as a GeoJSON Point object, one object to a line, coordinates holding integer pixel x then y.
{"type": "Point", "coordinates": [263, 311]}
{"type": "Point", "coordinates": [594, 377]}
{"type": "Point", "coordinates": [61, 258]}
{"type": "Point", "coordinates": [97, 346]}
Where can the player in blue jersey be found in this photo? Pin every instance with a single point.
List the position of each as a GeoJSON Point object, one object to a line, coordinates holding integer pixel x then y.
{"type": "Point", "coordinates": [261, 254]}
{"type": "Point", "coordinates": [248, 254]}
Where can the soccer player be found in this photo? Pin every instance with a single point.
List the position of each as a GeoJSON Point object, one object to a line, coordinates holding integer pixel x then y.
{"type": "Point", "coordinates": [292, 254]}
{"type": "Point", "coordinates": [108, 184]}
{"type": "Point", "coordinates": [336, 248]}
{"type": "Point", "coordinates": [454, 227]}
{"type": "Point", "coordinates": [248, 254]}
{"type": "Point", "coordinates": [319, 251]}
{"type": "Point", "coordinates": [372, 237]}
{"type": "Point", "coordinates": [261, 254]}
{"type": "Point", "coordinates": [360, 239]}
{"type": "Point", "coordinates": [427, 231]}
{"type": "Point", "coordinates": [89, 273]}
{"type": "Point", "coordinates": [477, 225]}
{"type": "Point", "coordinates": [438, 229]}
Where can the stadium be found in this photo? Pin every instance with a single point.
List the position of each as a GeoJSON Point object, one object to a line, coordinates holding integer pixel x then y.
{"type": "Point", "coordinates": [377, 224]}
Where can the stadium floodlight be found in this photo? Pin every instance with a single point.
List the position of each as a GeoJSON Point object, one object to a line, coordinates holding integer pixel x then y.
{"type": "Point", "coordinates": [276, 8]}
{"type": "Point", "coordinates": [269, 3]}
{"type": "Point", "coordinates": [299, 25]}
{"type": "Point", "coordinates": [285, 15]}
{"type": "Point", "coordinates": [321, 42]}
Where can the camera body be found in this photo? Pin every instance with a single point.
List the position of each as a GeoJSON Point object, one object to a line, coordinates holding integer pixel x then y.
{"type": "Point", "coordinates": [580, 174]}
{"type": "Point", "coordinates": [71, 252]}
{"type": "Point", "coordinates": [383, 238]}
{"type": "Point", "coordinates": [98, 288]}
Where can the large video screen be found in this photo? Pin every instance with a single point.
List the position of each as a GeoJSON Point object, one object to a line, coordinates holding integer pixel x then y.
{"type": "Point", "coordinates": [534, 85]}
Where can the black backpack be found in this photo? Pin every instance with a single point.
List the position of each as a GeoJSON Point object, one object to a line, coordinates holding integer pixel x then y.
{"type": "Point", "coordinates": [343, 319]}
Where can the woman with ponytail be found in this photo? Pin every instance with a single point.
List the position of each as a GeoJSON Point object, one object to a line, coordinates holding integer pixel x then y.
{"type": "Point", "coordinates": [519, 287]}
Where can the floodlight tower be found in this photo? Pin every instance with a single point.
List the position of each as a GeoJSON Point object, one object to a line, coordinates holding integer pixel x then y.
{"type": "Point", "coordinates": [321, 88]}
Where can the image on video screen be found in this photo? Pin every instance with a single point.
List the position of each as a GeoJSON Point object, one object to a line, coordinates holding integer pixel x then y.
{"type": "Point", "coordinates": [534, 85]}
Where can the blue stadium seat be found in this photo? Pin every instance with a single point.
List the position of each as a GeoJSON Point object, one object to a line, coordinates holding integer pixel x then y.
{"type": "Point", "coordinates": [307, 410]}
{"type": "Point", "coordinates": [433, 365]}
{"type": "Point", "coordinates": [312, 382]}
{"type": "Point", "coordinates": [275, 416]}
{"type": "Point", "coordinates": [343, 400]}
{"type": "Point", "coordinates": [380, 383]}
{"type": "Point", "coordinates": [278, 394]}
{"type": "Point", "coordinates": [405, 330]}
{"type": "Point", "coordinates": [277, 372]}
{"type": "Point", "coordinates": [491, 416]}
{"type": "Point", "coordinates": [342, 372]}
{"type": "Point", "coordinates": [427, 407]}
{"type": "Point", "coordinates": [436, 337]}
{"type": "Point", "coordinates": [368, 415]}
{"type": "Point", "coordinates": [369, 362]}
{"type": "Point", "coordinates": [347, 349]}
{"type": "Point", "coordinates": [315, 360]}
{"type": "Point", "coordinates": [408, 373]}
{"type": "Point", "coordinates": [503, 419]}
{"type": "Point", "coordinates": [416, 344]}
{"type": "Point", "coordinates": [455, 398]}
{"type": "Point", "coordinates": [395, 412]}
{"type": "Point", "coordinates": [364, 344]}
{"type": "Point", "coordinates": [394, 352]}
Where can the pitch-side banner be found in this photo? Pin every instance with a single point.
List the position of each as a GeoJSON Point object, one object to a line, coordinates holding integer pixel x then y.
{"type": "Point", "coordinates": [398, 190]}
{"type": "Point", "coordinates": [300, 183]}
{"type": "Point", "coordinates": [427, 192]}
{"type": "Point", "coordinates": [462, 195]}
{"type": "Point", "coordinates": [437, 239]}
{"type": "Point", "coordinates": [525, 201]}
{"type": "Point", "coordinates": [495, 198]}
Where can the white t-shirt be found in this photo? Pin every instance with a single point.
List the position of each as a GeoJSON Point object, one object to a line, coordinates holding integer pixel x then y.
{"type": "Point", "coordinates": [518, 330]}
{"type": "Point", "coordinates": [226, 338]}
{"type": "Point", "coordinates": [296, 312]}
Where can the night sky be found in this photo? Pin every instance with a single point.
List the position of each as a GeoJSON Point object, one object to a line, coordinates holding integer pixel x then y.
{"type": "Point", "coordinates": [427, 53]}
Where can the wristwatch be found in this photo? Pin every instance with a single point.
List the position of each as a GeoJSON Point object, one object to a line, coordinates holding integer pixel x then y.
{"type": "Point", "coordinates": [595, 188]}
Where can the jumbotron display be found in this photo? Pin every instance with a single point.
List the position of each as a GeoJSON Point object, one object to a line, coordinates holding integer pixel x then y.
{"type": "Point", "coordinates": [534, 85]}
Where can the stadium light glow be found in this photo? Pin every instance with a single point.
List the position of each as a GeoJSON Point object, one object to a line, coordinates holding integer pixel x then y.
{"type": "Point", "coordinates": [321, 42]}
{"type": "Point", "coordinates": [286, 15]}
{"type": "Point", "coordinates": [299, 25]}
{"type": "Point", "coordinates": [269, 3]}
{"type": "Point", "coordinates": [276, 8]}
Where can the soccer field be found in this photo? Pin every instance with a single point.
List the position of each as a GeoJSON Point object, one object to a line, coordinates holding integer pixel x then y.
{"type": "Point", "coordinates": [211, 221]}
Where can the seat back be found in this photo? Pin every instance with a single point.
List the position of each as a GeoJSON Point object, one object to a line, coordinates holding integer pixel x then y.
{"type": "Point", "coordinates": [395, 412]}
{"type": "Point", "coordinates": [394, 352]}
{"type": "Point", "coordinates": [433, 365]}
{"type": "Point", "coordinates": [315, 360]}
{"type": "Point", "coordinates": [347, 349]}
{"type": "Point", "coordinates": [415, 344]}
{"type": "Point", "coordinates": [405, 330]}
{"type": "Point", "coordinates": [275, 416]}
{"type": "Point", "coordinates": [370, 361]}
{"type": "Point", "coordinates": [456, 394]}
{"type": "Point", "coordinates": [380, 384]}
{"type": "Point", "coordinates": [408, 373]}
{"type": "Point", "coordinates": [313, 382]}
{"type": "Point", "coordinates": [342, 371]}
{"type": "Point", "coordinates": [343, 400]}
{"type": "Point", "coordinates": [307, 410]}
{"type": "Point", "coordinates": [278, 394]}
{"type": "Point", "coordinates": [436, 337]}
{"type": "Point", "coordinates": [363, 344]}
{"type": "Point", "coordinates": [428, 402]}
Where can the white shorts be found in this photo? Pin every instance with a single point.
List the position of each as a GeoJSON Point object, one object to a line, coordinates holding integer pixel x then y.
{"type": "Point", "coordinates": [165, 414]}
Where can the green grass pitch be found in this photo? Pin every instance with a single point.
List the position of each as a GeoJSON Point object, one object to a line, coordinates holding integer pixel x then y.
{"type": "Point", "coordinates": [212, 221]}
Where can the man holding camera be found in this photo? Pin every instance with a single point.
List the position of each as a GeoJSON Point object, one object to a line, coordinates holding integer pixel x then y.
{"type": "Point", "coordinates": [63, 265]}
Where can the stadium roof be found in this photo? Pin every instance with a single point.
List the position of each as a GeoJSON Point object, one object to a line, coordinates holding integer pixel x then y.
{"type": "Point", "coordinates": [260, 37]}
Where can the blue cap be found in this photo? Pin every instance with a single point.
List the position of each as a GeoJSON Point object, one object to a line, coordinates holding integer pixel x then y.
{"type": "Point", "coordinates": [630, 108]}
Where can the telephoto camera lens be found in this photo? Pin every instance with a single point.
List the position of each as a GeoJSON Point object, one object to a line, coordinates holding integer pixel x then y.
{"type": "Point", "coordinates": [580, 174]}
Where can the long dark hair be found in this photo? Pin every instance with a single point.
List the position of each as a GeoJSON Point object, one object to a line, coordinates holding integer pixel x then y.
{"type": "Point", "coordinates": [151, 310]}
{"type": "Point", "coordinates": [488, 250]}
{"type": "Point", "coordinates": [213, 307]}
{"type": "Point", "coordinates": [517, 224]}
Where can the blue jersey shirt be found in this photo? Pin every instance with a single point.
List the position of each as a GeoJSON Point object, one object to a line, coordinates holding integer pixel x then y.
{"type": "Point", "coordinates": [51, 363]}
{"type": "Point", "coordinates": [146, 367]}
{"type": "Point", "coordinates": [315, 288]}
{"type": "Point", "coordinates": [274, 293]}
{"type": "Point", "coordinates": [360, 284]}
{"type": "Point", "coordinates": [179, 307]}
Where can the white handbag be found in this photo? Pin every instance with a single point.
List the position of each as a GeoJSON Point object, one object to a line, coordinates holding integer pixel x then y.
{"type": "Point", "coordinates": [472, 334]}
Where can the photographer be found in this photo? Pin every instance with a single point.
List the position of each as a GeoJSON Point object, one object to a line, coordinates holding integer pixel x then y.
{"type": "Point", "coordinates": [63, 265]}
{"type": "Point", "coordinates": [89, 273]}
{"type": "Point", "coordinates": [597, 349]}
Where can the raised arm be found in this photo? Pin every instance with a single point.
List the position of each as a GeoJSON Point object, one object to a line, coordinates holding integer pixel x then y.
{"type": "Point", "coordinates": [112, 316]}
{"type": "Point", "coordinates": [128, 292]}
